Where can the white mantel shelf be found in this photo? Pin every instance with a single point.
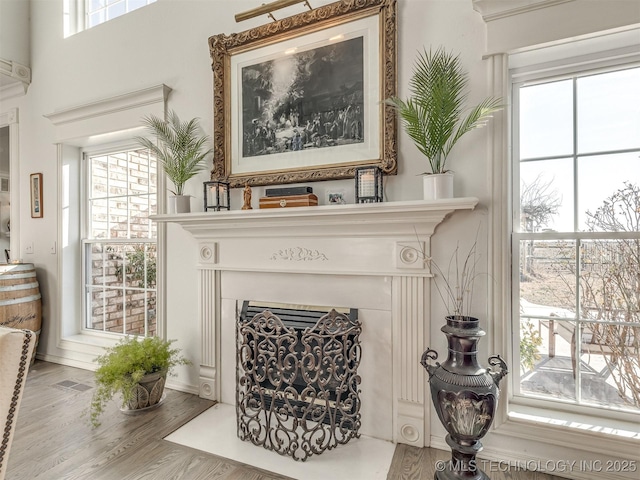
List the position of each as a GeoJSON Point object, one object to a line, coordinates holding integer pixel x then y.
{"type": "Point", "coordinates": [372, 219]}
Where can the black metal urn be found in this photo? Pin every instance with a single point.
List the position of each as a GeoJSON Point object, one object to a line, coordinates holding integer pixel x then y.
{"type": "Point", "coordinates": [464, 394]}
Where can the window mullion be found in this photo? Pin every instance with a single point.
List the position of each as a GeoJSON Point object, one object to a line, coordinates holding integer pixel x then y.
{"type": "Point", "coordinates": [128, 180]}
{"type": "Point", "coordinates": [575, 155]}
{"type": "Point", "coordinates": [103, 288]}
{"type": "Point", "coordinates": [578, 331]}
{"type": "Point", "coordinates": [149, 228]}
{"type": "Point", "coordinates": [578, 245]}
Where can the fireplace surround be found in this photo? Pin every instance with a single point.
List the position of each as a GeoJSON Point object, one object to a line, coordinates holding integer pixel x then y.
{"type": "Point", "coordinates": [364, 256]}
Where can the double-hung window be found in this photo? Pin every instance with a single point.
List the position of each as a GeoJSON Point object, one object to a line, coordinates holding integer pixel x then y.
{"type": "Point", "coordinates": [576, 237]}
{"type": "Point", "coordinates": [119, 250]}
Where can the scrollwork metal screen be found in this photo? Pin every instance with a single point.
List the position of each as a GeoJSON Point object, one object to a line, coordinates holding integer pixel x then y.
{"type": "Point", "coordinates": [298, 388]}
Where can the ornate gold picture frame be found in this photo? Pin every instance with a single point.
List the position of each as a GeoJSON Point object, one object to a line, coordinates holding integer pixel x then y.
{"type": "Point", "coordinates": [302, 99]}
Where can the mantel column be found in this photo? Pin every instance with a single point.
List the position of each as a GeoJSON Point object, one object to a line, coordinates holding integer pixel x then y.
{"type": "Point", "coordinates": [209, 313]}
{"type": "Point", "coordinates": [411, 311]}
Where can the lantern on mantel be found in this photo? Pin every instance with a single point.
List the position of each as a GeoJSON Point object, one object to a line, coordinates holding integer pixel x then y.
{"type": "Point", "coordinates": [368, 185]}
{"type": "Point", "coordinates": [216, 196]}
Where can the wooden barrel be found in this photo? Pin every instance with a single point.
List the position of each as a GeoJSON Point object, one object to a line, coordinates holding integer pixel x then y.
{"type": "Point", "coordinates": [20, 301]}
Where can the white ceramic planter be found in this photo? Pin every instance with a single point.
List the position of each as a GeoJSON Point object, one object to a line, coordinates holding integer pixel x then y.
{"type": "Point", "coordinates": [438, 185]}
{"type": "Point", "coordinates": [180, 204]}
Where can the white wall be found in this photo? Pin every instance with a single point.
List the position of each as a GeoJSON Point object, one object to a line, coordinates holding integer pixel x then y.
{"type": "Point", "coordinates": [14, 31]}
{"type": "Point", "coordinates": [166, 42]}
{"type": "Point", "coordinates": [574, 18]}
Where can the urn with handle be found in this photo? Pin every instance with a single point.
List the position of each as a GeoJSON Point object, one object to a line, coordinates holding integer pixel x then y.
{"type": "Point", "coordinates": [464, 394]}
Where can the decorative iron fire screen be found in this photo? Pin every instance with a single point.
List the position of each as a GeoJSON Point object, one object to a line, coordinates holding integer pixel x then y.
{"type": "Point", "coordinates": [297, 378]}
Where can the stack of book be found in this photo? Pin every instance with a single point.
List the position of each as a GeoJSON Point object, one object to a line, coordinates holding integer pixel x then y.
{"type": "Point", "coordinates": [284, 197]}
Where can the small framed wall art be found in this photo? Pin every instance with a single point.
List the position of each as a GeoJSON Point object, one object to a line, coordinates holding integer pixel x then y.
{"type": "Point", "coordinates": [36, 195]}
{"type": "Point", "coordinates": [336, 197]}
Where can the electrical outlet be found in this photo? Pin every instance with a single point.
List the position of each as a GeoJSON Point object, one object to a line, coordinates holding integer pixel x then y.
{"type": "Point", "coordinates": [28, 248]}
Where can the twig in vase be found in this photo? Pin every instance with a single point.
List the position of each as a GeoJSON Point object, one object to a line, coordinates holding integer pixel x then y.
{"type": "Point", "coordinates": [455, 286]}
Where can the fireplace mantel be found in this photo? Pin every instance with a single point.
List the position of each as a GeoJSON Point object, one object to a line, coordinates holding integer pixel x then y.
{"type": "Point", "coordinates": [362, 256]}
{"type": "Point", "coordinates": [365, 239]}
{"type": "Point", "coordinates": [376, 219]}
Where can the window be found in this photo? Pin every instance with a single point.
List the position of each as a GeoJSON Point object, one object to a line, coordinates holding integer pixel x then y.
{"type": "Point", "coordinates": [80, 15]}
{"type": "Point", "coordinates": [576, 238]}
{"type": "Point", "coordinates": [120, 243]}
{"type": "Point", "coordinates": [100, 11]}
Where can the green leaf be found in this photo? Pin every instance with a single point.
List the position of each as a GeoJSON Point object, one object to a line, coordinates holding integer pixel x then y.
{"type": "Point", "coordinates": [432, 116]}
{"type": "Point", "coordinates": [124, 364]}
{"type": "Point", "coordinates": [178, 147]}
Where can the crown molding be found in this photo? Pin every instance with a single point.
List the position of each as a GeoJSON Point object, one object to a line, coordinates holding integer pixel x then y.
{"type": "Point", "coordinates": [14, 79]}
{"type": "Point", "coordinates": [118, 103]}
{"type": "Point", "coordinates": [496, 9]}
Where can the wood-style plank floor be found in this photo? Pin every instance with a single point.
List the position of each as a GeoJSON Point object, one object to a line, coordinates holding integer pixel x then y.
{"type": "Point", "coordinates": [53, 440]}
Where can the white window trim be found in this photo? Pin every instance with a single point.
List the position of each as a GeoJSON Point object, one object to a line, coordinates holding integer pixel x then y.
{"type": "Point", "coordinates": [541, 425]}
{"type": "Point", "coordinates": [10, 119]}
{"type": "Point", "coordinates": [105, 122]}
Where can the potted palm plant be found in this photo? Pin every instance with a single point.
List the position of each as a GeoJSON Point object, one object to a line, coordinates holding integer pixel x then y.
{"type": "Point", "coordinates": [137, 369]}
{"type": "Point", "coordinates": [434, 117]}
{"type": "Point", "coordinates": [180, 150]}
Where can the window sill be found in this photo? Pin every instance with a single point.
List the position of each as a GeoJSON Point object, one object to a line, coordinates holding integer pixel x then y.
{"type": "Point", "coordinates": [614, 437]}
{"type": "Point", "coordinates": [88, 343]}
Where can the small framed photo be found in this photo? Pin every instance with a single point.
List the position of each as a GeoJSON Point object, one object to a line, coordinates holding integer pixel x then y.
{"type": "Point", "coordinates": [36, 195]}
{"type": "Point", "coordinates": [336, 198]}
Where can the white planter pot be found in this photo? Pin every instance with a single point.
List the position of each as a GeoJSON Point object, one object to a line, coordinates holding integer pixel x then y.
{"type": "Point", "coordinates": [180, 204]}
{"type": "Point", "coordinates": [438, 185]}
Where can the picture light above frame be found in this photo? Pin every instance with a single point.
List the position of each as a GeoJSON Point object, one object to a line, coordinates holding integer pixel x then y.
{"type": "Point", "coordinates": [269, 8]}
{"type": "Point", "coordinates": [302, 99]}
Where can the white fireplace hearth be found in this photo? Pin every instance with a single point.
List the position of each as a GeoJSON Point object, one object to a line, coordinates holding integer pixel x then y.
{"type": "Point", "coordinates": [355, 256]}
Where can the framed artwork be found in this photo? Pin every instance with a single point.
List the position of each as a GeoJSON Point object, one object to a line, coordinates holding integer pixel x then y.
{"type": "Point", "coordinates": [336, 197]}
{"type": "Point", "coordinates": [36, 195]}
{"type": "Point", "coordinates": [302, 99]}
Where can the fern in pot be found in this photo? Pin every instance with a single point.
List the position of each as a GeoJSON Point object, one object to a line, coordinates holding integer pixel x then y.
{"type": "Point", "coordinates": [136, 368]}
{"type": "Point", "coordinates": [180, 150]}
{"type": "Point", "coordinates": [434, 116]}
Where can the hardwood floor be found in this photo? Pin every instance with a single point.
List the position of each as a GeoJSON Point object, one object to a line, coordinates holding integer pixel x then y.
{"type": "Point", "coordinates": [53, 441]}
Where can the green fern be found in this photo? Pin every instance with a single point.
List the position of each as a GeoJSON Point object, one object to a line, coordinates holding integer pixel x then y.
{"type": "Point", "coordinates": [433, 116]}
{"type": "Point", "coordinates": [179, 148]}
{"type": "Point", "coordinates": [123, 365]}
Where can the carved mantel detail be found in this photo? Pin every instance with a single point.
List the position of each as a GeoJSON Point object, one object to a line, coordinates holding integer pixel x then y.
{"type": "Point", "coordinates": [298, 254]}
